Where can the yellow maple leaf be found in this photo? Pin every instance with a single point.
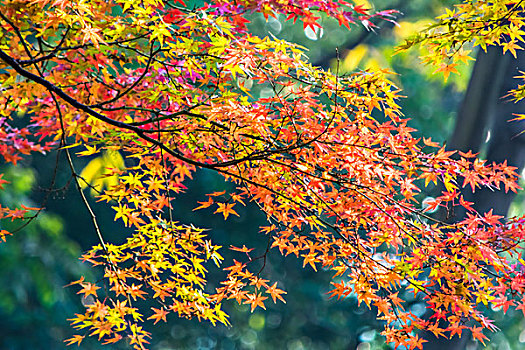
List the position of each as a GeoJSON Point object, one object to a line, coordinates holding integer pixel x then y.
{"type": "Point", "coordinates": [226, 209]}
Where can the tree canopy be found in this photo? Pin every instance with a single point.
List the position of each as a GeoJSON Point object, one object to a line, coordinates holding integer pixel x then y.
{"type": "Point", "coordinates": [157, 89]}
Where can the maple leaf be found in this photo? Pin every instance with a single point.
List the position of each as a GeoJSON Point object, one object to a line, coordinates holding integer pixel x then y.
{"type": "Point", "coordinates": [4, 233]}
{"type": "Point", "coordinates": [226, 209]}
{"type": "Point", "coordinates": [394, 298]}
{"type": "Point", "coordinates": [79, 281]}
{"type": "Point", "coordinates": [430, 204]}
{"type": "Point", "coordinates": [435, 329]}
{"type": "Point", "coordinates": [470, 178]}
{"type": "Point", "coordinates": [75, 339]}
{"type": "Point", "coordinates": [383, 306]}
{"type": "Point", "coordinates": [267, 229]}
{"type": "Point", "coordinates": [123, 212]}
{"type": "Point", "coordinates": [310, 259]}
{"type": "Point", "coordinates": [204, 205]}
{"type": "Point", "coordinates": [361, 9]}
{"type": "Point", "coordinates": [341, 290]}
{"type": "Point", "coordinates": [159, 314]}
{"type": "Point", "coordinates": [275, 293]}
{"type": "Point", "coordinates": [259, 282]}
{"type": "Point", "coordinates": [465, 204]}
{"type": "Point", "coordinates": [135, 220]}
{"type": "Point", "coordinates": [428, 142]}
{"type": "Point", "coordinates": [154, 184]}
{"type": "Point", "coordinates": [243, 249]}
{"type": "Point", "coordinates": [416, 342]}
{"type": "Point", "coordinates": [521, 306]}
{"type": "Point", "coordinates": [310, 21]}
{"type": "Point", "coordinates": [456, 329]}
{"type": "Point", "coordinates": [88, 289]}
{"type": "Point", "coordinates": [255, 300]}
{"type": "Point", "coordinates": [478, 335]}
{"type": "Point", "coordinates": [238, 198]}
{"type": "Point", "coordinates": [503, 302]}
{"type": "Point", "coordinates": [491, 219]}
{"type": "Point", "coordinates": [91, 34]}
{"type": "Point", "coordinates": [512, 46]}
{"type": "Point", "coordinates": [89, 150]}
{"type": "Point", "coordinates": [446, 69]}
{"type": "Point", "coordinates": [116, 338]}
{"type": "Point", "coordinates": [135, 291]}
{"type": "Point", "coordinates": [217, 194]}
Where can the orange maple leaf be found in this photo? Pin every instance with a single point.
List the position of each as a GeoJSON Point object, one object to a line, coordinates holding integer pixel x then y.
{"type": "Point", "coordinates": [116, 337]}
{"type": "Point", "coordinates": [447, 69]}
{"type": "Point", "coordinates": [383, 306]}
{"type": "Point", "coordinates": [216, 194]}
{"type": "Point", "coordinates": [160, 314]}
{"type": "Point", "coordinates": [204, 205]}
{"type": "Point", "coordinates": [416, 342]}
{"type": "Point", "coordinates": [4, 233]}
{"type": "Point", "coordinates": [311, 259]}
{"type": "Point", "coordinates": [135, 291]}
{"type": "Point", "coordinates": [88, 289]}
{"type": "Point", "coordinates": [275, 293]}
{"type": "Point", "coordinates": [75, 339]}
{"type": "Point", "coordinates": [244, 249]}
{"type": "Point", "coordinates": [256, 300]}
{"type": "Point", "coordinates": [259, 282]}
{"type": "Point", "coordinates": [478, 334]}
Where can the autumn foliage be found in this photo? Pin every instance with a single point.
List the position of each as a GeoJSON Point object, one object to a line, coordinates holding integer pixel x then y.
{"type": "Point", "coordinates": [158, 89]}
